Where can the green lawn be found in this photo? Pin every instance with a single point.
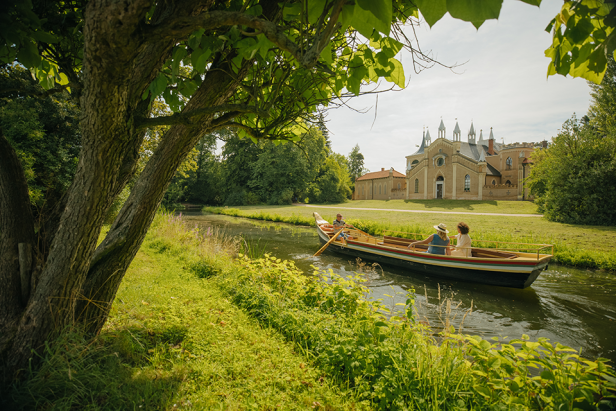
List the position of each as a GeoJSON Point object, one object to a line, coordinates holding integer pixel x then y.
{"type": "Point", "coordinates": [469, 206]}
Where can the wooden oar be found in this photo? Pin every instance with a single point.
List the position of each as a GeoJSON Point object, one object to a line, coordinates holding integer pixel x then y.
{"type": "Point", "coordinates": [318, 253]}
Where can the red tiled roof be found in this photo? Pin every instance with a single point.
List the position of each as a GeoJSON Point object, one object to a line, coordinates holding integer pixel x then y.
{"type": "Point", "coordinates": [379, 174]}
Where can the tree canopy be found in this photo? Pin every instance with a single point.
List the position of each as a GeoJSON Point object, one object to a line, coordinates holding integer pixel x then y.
{"type": "Point", "coordinates": [262, 67]}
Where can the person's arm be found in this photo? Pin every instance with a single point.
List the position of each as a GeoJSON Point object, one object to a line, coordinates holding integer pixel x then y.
{"type": "Point", "coordinates": [426, 241]}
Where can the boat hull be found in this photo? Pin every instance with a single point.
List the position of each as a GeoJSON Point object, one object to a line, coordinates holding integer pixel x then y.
{"type": "Point", "coordinates": [484, 271]}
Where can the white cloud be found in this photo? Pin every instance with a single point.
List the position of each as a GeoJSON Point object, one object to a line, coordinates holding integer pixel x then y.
{"type": "Point", "coordinates": [502, 85]}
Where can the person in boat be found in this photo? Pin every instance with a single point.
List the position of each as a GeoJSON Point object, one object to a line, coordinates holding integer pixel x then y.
{"type": "Point", "coordinates": [438, 243]}
{"type": "Point", "coordinates": [340, 223]}
{"type": "Point", "coordinates": [463, 243]}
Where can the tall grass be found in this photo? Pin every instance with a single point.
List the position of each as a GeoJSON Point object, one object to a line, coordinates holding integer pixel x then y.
{"type": "Point", "coordinates": [174, 341]}
{"type": "Point", "coordinates": [563, 253]}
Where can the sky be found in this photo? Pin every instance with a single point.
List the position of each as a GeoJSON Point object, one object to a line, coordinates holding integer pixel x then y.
{"type": "Point", "coordinates": [502, 84]}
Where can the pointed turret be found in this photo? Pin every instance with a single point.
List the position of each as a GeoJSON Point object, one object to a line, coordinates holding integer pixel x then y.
{"type": "Point", "coordinates": [428, 138]}
{"type": "Point", "coordinates": [471, 134]}
{"type": "Point", "coordinates": [441, 129]}
{"type": "Point", "coordinates": [491, 135]}
{"type": "Point", "coordinates": [482, 156]}
{"type": "Point", "coordinates": [424, 143]}
{"type": "Point", "coordinates": [456, 132]}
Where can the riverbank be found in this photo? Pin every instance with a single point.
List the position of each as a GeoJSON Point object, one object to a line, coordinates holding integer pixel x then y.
{"type": "Point", "coordinates": [577, 246]}
{"type": "Point", "coordinates": [192, 327]}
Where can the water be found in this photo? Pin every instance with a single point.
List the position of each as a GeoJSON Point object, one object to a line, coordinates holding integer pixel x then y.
{"type": "Point", "coordinates": [574, 307]}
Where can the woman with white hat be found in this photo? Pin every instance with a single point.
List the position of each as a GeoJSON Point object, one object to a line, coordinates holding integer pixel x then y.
{"type": "Point", "coordinates": [438, 242]}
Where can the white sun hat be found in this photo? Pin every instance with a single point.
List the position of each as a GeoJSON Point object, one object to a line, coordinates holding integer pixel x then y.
{"type": "Point", "coordinates": [441, 227]}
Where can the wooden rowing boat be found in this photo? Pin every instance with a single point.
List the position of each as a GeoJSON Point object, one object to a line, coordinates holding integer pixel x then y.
{"type": "Point", "coordinates": [505, 267]}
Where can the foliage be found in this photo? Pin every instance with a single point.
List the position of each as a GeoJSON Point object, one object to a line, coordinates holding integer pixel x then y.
{"type": "Point", "coordinates": [603, 103]}
{"type": "Point", "coordinates": [583, 39]}
{"type": "Point", "coordinates": [44, 133]}
{"type": "Point", "coordinates": [393, 363]}
{"type": "Point", "coordinates": [356, 163]}
{"type": "Point", "coordinates": [574, 180]}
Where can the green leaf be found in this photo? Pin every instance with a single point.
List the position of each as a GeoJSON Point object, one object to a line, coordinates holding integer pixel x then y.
{"type": "Point", "coordinates": [483, 391]}
{"type": "Point", "coordinates": [201, 60]}
{"type": "Point", "coordinates": [547, 375]}
{"type": "Point", "coordinates": [28, 55]}
{"type": "Point", "coordinates": [255, 10]}
{"type": "Point", "coordinates": [432, 10]}
{"type": "Point", "coordinates": [315, 8]}
{"type": "Point", "coordinates": [346, 17]}
{"type": "Point", "coordinates": [178, 54]}
{"type": "Point", "coordinates": [326, 54]}
{"type": "Point", "coordinates": [474, 11]}
{"type": "Point", "coordinates": [532, 2]}
{"type": "Point", "coordinates": [396, 75]}
{"type": "Point", "coordinates": [44, 37]}
{"type": "Point", "coordinates": [159, 85]}
{"type": "Point", "coordinates": [382, 12]}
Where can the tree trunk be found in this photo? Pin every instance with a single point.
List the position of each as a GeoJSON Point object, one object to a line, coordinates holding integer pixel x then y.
{"type": "Point", "coordinates": [17, 228]}
{"type": "Point", "coordinates": [116, 252]}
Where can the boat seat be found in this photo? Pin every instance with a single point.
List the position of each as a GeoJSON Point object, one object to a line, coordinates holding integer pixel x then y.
{"type": "Point", "coordinates": [401, 242]}
{"type": "Point", "coordinates": [484, 253]}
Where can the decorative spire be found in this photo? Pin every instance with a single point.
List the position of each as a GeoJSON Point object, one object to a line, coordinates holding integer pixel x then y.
{"type": "Point", "coordinates": [481, 135]}
{"type": "Point", "coordinates": [491, 134]}
{"type": "Point", "coordinates": [471, 134]}
{"type": "Point", "coordinates": [482, 157]}
{"type": "Point", "coordinates": [441, 129]}
{"type": "Point", "coordinates": [456, 132]}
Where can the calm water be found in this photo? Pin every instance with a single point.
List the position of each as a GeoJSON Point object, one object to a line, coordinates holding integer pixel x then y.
{"type": "Point", "coordinates": [574, 307]}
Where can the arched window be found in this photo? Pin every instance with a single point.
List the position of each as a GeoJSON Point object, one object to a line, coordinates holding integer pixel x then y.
{"type": "Point", "coordinates": [379, 189]}
{"type": "Point", "coordinates": [398, 186]}
{"type": "Point", "coordinates": [508, 183]}
{"type": "Point", "coordinates": [493, 182]}
{"type": "Point", "coordinates": [509, 163]}
{"type": "Point", "coordinates": [440, 161]}
{"type": "Point", "coordinates": [414, 162]}
{"type": "Point", "coordinates": [417, 185]}
{"type": "Point", "coordinates": [467, 183]}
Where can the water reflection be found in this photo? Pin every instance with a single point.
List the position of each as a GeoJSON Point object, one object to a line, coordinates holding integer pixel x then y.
{"type": "Point", "coordinates": [574, 307]}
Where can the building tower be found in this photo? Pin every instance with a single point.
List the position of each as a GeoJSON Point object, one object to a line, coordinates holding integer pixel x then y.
{"type": "Point", "coordinates": [456, 132]}
{"type": "Point", "coordinates": [441, 130]}
{"type": "Point", "coordinates": [471, 134]}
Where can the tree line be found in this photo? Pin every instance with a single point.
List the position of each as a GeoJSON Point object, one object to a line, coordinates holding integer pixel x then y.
{"type": "Point", "coordinates": [245, 173]}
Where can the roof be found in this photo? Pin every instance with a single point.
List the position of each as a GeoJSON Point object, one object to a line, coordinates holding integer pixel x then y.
{"type": "Point", "coordinates": [473, 151]}
{"type": "Point", "coordinates": [379, 174]}
{"type": "Point", "coordinates": [457, 128]}
{"type": "Point", "coordinates": [423, 145]}
{"type": "Point", "coordinates": [441, 126]}
{"type": "Point", "coordinates": [492, 171]}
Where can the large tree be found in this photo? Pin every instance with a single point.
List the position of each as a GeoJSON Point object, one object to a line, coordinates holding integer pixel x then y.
{"type": "Point", "coordinates": [261, 66]}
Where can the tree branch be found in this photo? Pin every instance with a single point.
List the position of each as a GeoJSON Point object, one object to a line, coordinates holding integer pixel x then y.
{"type": "Point", "coordinates": [182, 27]}
{"type": "Point", "coordinates": [185, 118]}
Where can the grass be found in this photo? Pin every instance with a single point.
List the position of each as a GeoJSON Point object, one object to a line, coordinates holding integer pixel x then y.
{"type": "Point", "coordinates": [579, 246]}
{"type": "Point", "coordinates": [175, 341]}
{"type": "Point", "coordinates": [193, 327]}
{"type": "Point", "coordinates": [465, 206]}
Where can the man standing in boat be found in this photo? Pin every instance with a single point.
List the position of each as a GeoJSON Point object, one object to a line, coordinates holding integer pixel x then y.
{"type": "Point", "coordinates": [339, 223]}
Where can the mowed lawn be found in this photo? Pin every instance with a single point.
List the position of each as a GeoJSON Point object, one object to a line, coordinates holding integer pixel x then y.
{"type": "Point", "coordinates": [537, 229]}
{"type": "Point", "coordinates": [466, 206]}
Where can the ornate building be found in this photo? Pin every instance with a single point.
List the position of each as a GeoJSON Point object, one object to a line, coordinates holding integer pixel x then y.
{"type": "Point", "coordinates": [472, 170]}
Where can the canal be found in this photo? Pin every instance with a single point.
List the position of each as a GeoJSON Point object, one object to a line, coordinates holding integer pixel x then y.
{"type": "Point", "coordinates": [574, 307]}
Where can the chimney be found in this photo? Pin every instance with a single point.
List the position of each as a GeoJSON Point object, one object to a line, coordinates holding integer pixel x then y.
{"type": "Point", "coordinates": [491, 147]}
{"type": "Point", "coordinates": [382, 168]}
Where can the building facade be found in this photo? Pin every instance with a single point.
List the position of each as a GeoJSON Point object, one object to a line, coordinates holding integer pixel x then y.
{"type": "Point", "coordinates": [475, 169]}
{"type": "Point", "coordinates": [380, 185]}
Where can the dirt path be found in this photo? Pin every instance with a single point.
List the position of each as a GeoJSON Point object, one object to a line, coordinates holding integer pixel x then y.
{"type": "Point", "coordinates": [419, 211]}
